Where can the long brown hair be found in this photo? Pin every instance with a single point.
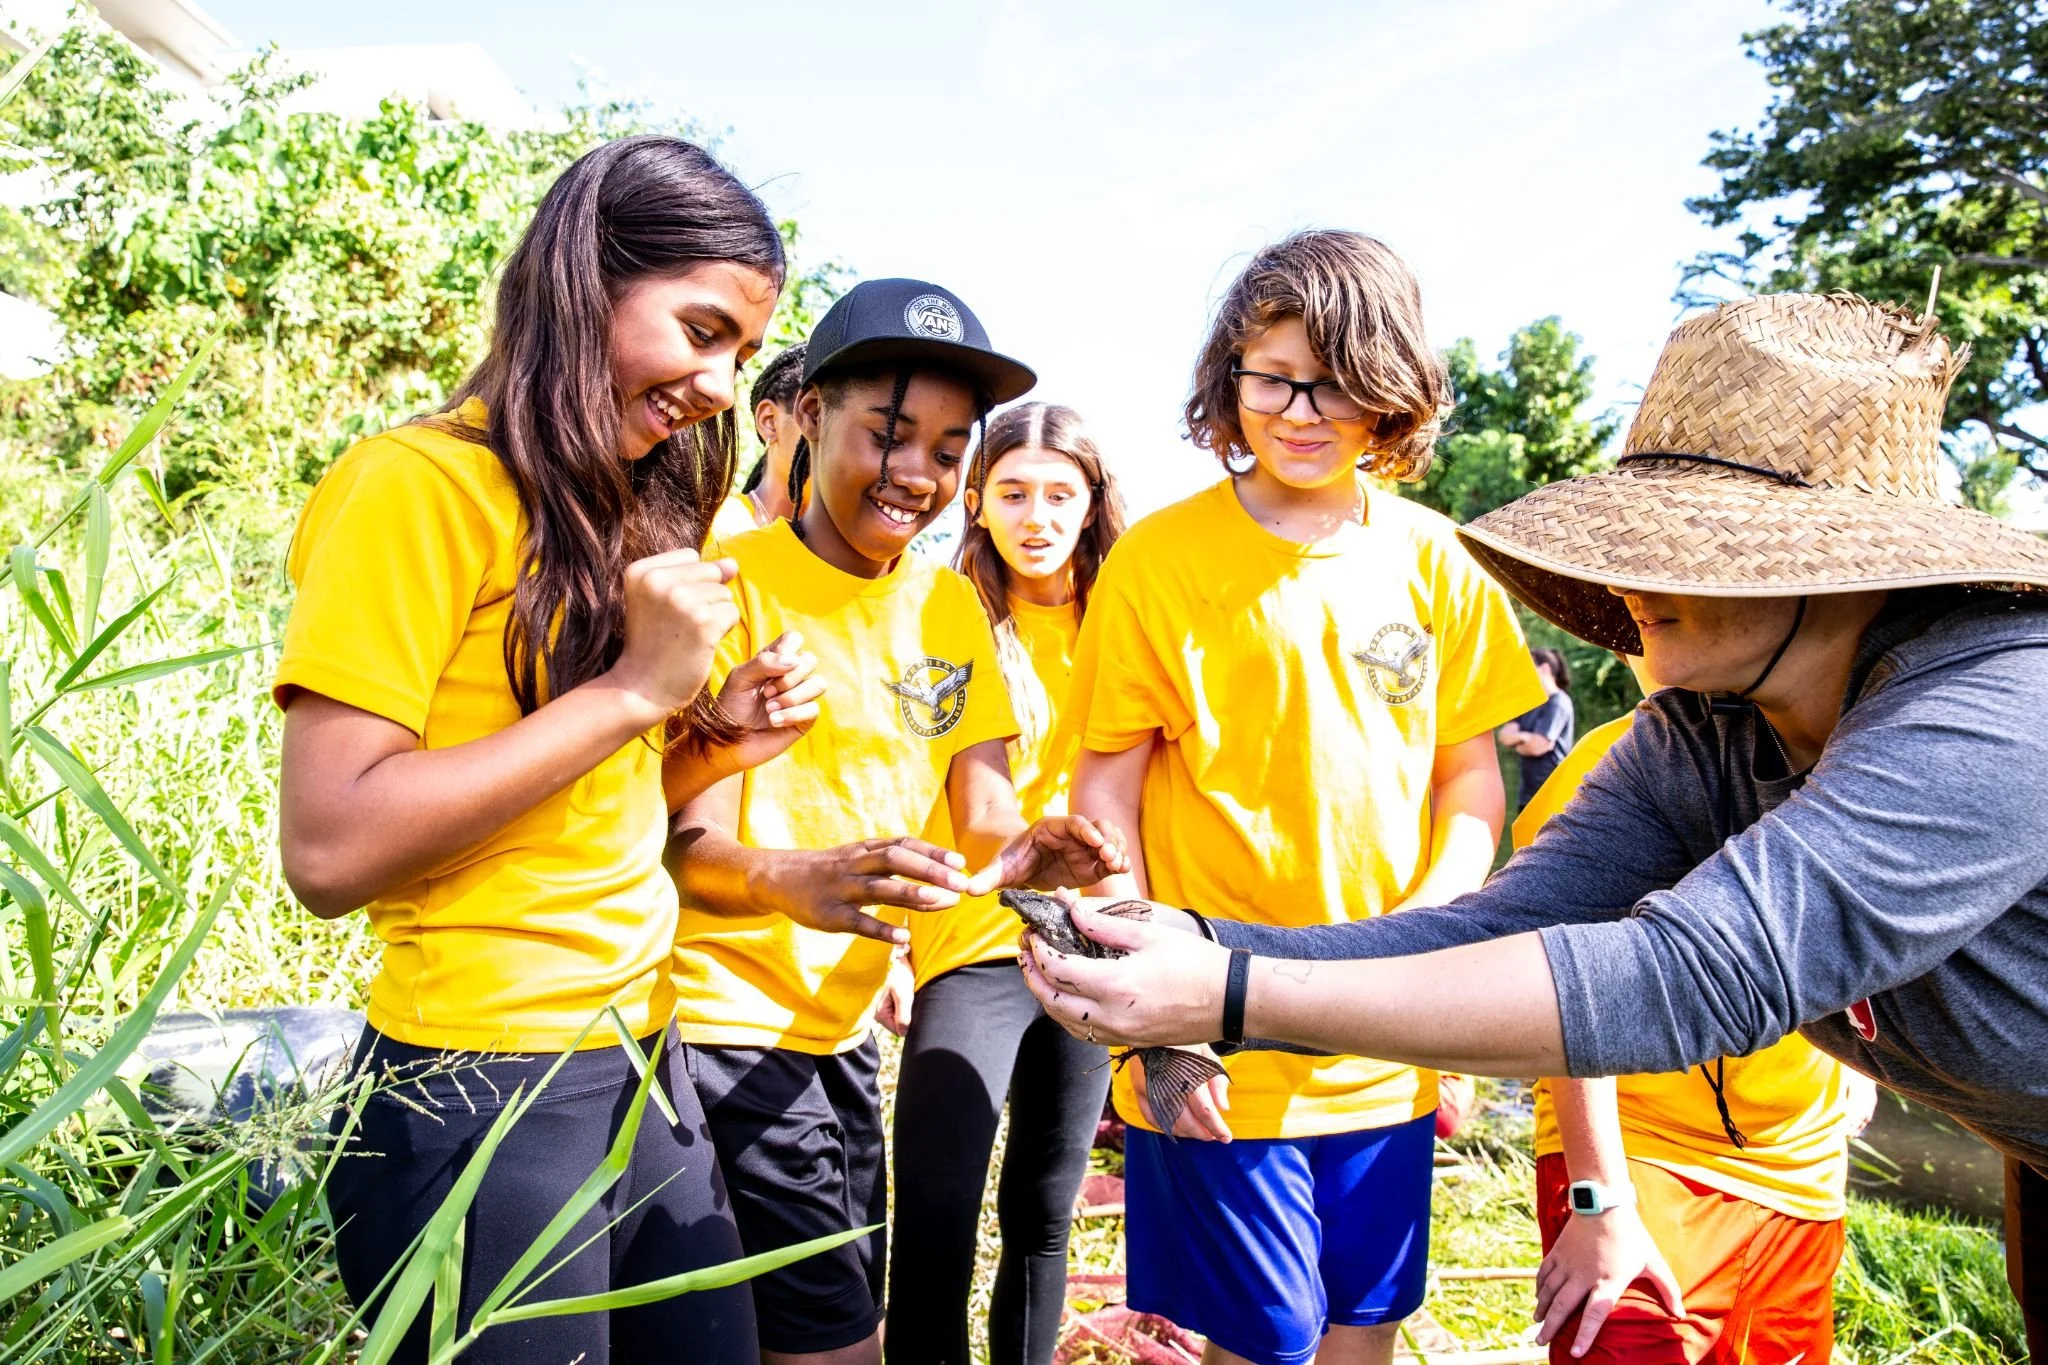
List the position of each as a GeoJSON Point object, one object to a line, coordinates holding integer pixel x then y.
{"type": "Point", "coordinates": [1363, 312]}
{"type": "Point", "coordinates": [1049, 426]}
{"type": "Point", "coordinates": [631, 209]}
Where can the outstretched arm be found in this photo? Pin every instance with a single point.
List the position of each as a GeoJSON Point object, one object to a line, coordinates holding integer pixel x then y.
{"type": "Point", "coordinates": [1005, 850]}
{"type": "Point", "coordinates": [1569, 874]}
{"type": "Point", "coordinates": [1169, 989]}
{"type": "Point", "coordinates": [830, 889]}
{"type": "Point", "coordinates": [1868, 877]}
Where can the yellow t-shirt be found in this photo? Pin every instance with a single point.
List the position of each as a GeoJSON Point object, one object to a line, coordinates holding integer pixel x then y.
{"type": "Point", "coordinates": [405, 560]}
{"type": "Point", "coordinates": [910, 669]}
{"type": "Point", "coordinates": [735, 517]}
{"type": "Point", "coordinates": [1789, 1100]}
{"type": "Point", "coordinates": [981, 930]}
{"type": "Point", "coordinates": [1302, 691]}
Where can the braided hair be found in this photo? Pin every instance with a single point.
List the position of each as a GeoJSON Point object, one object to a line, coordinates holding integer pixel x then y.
{"type": "Point", "coordinates": [777, 383]}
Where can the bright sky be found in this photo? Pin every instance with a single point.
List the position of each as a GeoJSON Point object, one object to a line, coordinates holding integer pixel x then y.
{"type": "Point", "coordinates": [1089, 177]}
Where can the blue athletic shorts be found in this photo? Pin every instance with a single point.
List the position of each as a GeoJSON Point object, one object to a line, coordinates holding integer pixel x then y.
{"type": "Point", "coordinates": [1261, 1245]}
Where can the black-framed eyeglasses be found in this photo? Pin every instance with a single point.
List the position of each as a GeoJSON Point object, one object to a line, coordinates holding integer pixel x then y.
{"type": "Point", "coordinates": [1273, 394]}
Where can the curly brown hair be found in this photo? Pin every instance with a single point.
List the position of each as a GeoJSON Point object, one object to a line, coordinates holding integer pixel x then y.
{"type": "Point", "coordinates": [1363, 311]}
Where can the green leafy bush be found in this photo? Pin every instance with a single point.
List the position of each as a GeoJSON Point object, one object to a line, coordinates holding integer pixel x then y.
{"type": "Point", "coordinates": [344, 265]}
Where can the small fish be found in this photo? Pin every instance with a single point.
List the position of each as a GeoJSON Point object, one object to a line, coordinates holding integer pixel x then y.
{"type": "Point", "coordinates": [1171, 1073]}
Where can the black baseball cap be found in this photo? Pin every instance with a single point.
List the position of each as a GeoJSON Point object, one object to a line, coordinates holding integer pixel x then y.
{"type": "Point", "coordinates": [883, 322]}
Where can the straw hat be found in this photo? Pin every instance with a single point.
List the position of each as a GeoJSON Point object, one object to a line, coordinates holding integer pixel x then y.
{"type": "Point", "coordinates": [1786, 445]}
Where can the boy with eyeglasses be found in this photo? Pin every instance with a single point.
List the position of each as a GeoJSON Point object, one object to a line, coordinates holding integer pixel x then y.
{"type": "Point", "coordinates": [1287, 686]}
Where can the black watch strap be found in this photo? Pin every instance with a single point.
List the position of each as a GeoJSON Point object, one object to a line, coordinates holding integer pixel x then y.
{"type": "Point", "coordinates": [1235, 985]}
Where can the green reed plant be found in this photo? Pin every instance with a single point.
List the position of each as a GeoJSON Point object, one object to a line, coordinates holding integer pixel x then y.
{"type": "Point", "coordinates": [117, 1240]}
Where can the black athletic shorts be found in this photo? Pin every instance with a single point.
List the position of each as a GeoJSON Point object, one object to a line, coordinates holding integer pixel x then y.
{"type": "Point", "coordinates": [668, 1213]}
{"type": "Point", "coordinates": [799, 1138]}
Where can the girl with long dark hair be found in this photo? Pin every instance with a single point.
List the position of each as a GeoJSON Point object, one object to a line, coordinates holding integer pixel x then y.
{"type": "Point", "coordinates": [1042, 512]}
{"type": "Point", "coordinates": [494, 692]}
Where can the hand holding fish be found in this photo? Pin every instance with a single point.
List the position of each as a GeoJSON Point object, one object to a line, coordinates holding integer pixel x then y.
{"type": "Point", "coordinates": [1182, 1089]}
{"type": "Point", "coordinates": [1163, 985]}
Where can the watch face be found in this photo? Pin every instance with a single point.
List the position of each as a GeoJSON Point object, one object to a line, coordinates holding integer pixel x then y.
{"type": "Point", "coordinates": [1584, 1200]}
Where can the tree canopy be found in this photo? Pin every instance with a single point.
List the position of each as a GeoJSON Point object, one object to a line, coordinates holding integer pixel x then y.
{"type": "Point", "coordinates": [1513, 430]}
{"type": "Point", "coordinates": [1516, 428]}
{"type": "Point", "coordinates": [342, 265]}
{"type": "Point", "coordinates": [1905, 135]}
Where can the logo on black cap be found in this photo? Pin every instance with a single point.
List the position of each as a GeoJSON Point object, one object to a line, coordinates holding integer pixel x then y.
{"type": "Point", "coordinates": [933, 315]}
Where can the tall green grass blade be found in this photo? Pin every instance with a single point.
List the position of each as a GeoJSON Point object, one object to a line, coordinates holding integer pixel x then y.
{"type": "Point", "coordinates": [7, 731]}
{"type": "Point", "coordinates": [19, 72]}
{"type": "Point", "coordinates": [585, 1198]}
{"type": "Point", "coordinates": [641, 1063]}
{"type": "Point", "coordinates": [39, 938]}
{"type": "Point", "coordinates": [21, 563]}
{"type": "Point", "coordinates": [144, 672]}
{"type": "Point", "coordinates": [85, 1082]}
{"type": "Point", "coordinates": [99, 545]}
{"type": "Point", "coordinates": [447, 1300]}
{"type": "Point", "coordinates": [130, 1104]}
{"type": "Point", "coordinates": [59, 590]}
{"type": "Point", "coordinates": [138, 439]}
{"type": "Point", "coordinates": [18, 1043]}
{"type": "Point", "coordinates": [149, 483]}
{"type": "Point", "coordinates": [46, 1261]}
{"type": "Point", "coordinates": [423, 1268]}
{"type": "Point", "coordinates": [115, 629]}
{"type": "Point", "coordinates": [153, 421]}
{"type": "Point", "coordinates": [87, 788]}
{"type": "Point", "coordinates": [690, 1281]}
{"type": "Point", "coordinates": [153, 1305]}
{"type": "Point", "coordinates": [29, 851]}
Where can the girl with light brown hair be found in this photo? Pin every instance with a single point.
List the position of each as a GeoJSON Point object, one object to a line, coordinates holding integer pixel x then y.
{"type": "Point", "coordinates": [1042, 513]}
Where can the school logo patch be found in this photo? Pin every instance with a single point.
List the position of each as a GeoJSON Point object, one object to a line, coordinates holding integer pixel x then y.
{"type": "Point", "coordinates": [933, 315]}
{"type": "Point", "coordinates": [1396, 662]}
{"type": "Point", "coordinates": [932, 695]}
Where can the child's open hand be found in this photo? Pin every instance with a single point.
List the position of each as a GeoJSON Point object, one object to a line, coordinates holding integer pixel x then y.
{"type": "Point", "coordinates": [831, 889]}
{"type": "Point", "coordinates": [1059, 850]}
{"type": "Point", "coordinates": [775, 696]}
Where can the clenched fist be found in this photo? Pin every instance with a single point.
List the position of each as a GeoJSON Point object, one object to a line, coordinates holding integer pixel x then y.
{"type": "Point", "coordinates": [678, 608]}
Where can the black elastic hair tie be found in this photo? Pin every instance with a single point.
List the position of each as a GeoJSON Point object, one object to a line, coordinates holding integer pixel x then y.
{"type": "Point", "coordinates": [1236, 985]}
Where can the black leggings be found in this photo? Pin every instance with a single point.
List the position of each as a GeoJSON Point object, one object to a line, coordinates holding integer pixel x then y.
{"type": "Point", "coordinates": [671, 1205]}
{"type": "Point", "coordinates": [977, 1034]}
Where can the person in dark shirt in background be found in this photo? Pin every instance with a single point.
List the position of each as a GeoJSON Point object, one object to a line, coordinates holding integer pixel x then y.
{"type": "Point", "coordinates": [1542, 737]}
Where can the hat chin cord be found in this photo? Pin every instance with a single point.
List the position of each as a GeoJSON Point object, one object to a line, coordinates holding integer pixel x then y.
{"type": "Point", "coordinates": [1798, 619]}
{"type": "Point", "coordinates": [1728, 706]}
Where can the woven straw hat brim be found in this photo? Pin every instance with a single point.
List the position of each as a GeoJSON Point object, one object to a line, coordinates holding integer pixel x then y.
{"type": "Point", "coordinates": [1722, 533]}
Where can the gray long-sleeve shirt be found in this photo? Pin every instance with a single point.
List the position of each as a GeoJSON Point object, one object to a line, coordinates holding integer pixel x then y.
{"type": "Point", "coordinates": [1908, 869]}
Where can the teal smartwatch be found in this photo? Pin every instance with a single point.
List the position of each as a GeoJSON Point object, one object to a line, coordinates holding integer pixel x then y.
{"type": "Point", "coordinates": [1592, 1198]}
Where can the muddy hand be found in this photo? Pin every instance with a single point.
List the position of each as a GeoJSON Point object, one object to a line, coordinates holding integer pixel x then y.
{"type": "Point", "coordinates": [1166, 988]}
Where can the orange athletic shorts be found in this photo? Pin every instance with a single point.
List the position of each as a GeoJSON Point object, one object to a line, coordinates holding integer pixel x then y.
{"type": "Point", "coordinates": [1758, 1285]}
